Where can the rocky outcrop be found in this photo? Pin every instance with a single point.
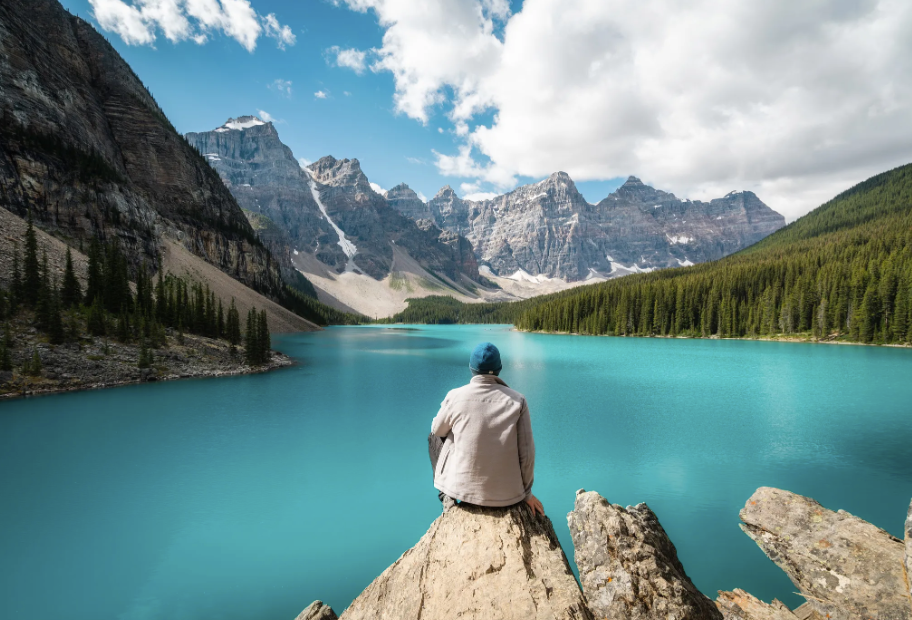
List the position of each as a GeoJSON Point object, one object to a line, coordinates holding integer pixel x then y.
{"type": "Point", "coordinates": [85, 147]}
{"type": "Point", "coordinates": [845, 567]}
{"type": "Point", "coordinates": [317, 611]}
{"type": "Point", "coordinates": [404, 200]}
{"type": "Point", "coordinates": [477, 563]}
{"type": "Point", "coordinates": [628, 567]}
{"type": "Point", "coordinates": [549, 229]}
{"type": "Point", "coordinates": [909, 549]}
{"type": "Point", "coordinates": [739, 605]}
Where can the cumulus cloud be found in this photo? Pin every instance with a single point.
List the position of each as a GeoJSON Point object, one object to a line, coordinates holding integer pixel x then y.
{"type": "Point", "coordinates": [304, 162]}
{"type": "Point", "coordinates": [266, 116]}
{"type": "Point", "coordinates": [282, 87]}
{"type": "Point", "coordinates": [139, 22]}
{"type": "Point", "coordinates": [353, 59]}
{"type": "Point", "coordinates": [377, 188]}
{"type": "Point", "coordinates": [792, 101]}
{"type": "Point", "coordinates": [421, 196]}
{"type": "Point", "coordinates": [321, 94]}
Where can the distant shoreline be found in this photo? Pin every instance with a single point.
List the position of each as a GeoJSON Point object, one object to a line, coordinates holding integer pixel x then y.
{"type": "Point", "coordinates": [792, 339]}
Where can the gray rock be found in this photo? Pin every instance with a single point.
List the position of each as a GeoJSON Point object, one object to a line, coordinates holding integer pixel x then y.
{"type": "Point", "coordinates": [86, 148]}
{"type": "Point", "coordinates": [404, 200]}
{"type": "Point", "coordinates": [549, 228]}
{"type": "Point", "coordinates": [474, 562]}
{"type": "Point", "coordinates": [844, 566]}
{"type": "Point", "coordinates": [628, 567]}
{"type": "Point", "coordinates": [739, 605]}
{"type": "Point", "coordinates": [317, 611]}
{"type": "Point", "coordinates": [909, 549]}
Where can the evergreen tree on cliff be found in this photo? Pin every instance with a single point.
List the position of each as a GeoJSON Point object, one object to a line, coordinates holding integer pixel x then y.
{"type": "Point", "coordinates": [233, 325]}
{"type": "Point", "coordinates": [31, 281]}
{"type": "Point", "coordinates": [71, 292]}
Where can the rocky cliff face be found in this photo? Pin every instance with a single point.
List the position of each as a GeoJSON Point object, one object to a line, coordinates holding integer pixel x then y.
{"type": "Point", "coordinates": [549, 229]}
{"type": "Point", "coordinates": [328, 210]}
{"type": "Point", "coordinates": [265, 178]}
{"type": "Point", "coordinates": [374, 226]}
{"type": "Point", "coordinates": [404, 200]}
{"type": "Point", "coordinates": [84, 146]}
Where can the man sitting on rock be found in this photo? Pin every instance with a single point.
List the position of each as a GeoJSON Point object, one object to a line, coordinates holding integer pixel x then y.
{"type": "Point", "coordinates": [481, 444]}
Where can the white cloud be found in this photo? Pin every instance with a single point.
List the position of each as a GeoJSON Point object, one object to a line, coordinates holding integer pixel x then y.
{"type": "Point", "coordinates": [346, 93]}
{"type": "Point", "coordinates": [377, 188]}
{"type": "Point", "coordinates": [422, 197]}
{"type": "Point", "coordinates": [138, 22]}
{"type": "Point", "coordinates": [353, 59]}
{"type": "Point", "coordinates": [266, 116]}
{"type": "Point", "coordinates": [414, 160]}
{"type": "Point", "coordinates": [792, 101]}
{"type": "Point", "coordinates": [282, 34]}
{"type": "Point", "coordinates": [479, 196]}
{"type": "Point", "coordinates": [320, 94]}
{"type": "Point", "coordinates": [304, 162]}
{"type": "Point", "coordinates": [281, 86]}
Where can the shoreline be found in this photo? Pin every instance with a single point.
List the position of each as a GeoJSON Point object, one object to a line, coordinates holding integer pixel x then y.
{"type": "Point", "coordinates": [95, 364]}
{"type": "Point", "coordinates": [791, 339]}
{"type": "Point", "coordinates": [279, 361]}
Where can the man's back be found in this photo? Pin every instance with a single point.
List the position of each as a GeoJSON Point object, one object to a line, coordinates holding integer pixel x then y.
{"type": "Point", "coordinates": [489, 457]}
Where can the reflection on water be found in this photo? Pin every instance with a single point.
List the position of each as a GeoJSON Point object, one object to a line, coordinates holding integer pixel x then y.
{"type": "Point", "coordinates": [250, 497]}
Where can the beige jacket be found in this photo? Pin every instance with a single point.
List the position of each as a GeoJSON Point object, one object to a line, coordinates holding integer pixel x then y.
{"type": "Point", "coordinates": [489, 456]}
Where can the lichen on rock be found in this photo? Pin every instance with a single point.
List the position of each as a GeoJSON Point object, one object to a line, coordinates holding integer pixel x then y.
{"type": "Point", "coordinates": [628, 566]}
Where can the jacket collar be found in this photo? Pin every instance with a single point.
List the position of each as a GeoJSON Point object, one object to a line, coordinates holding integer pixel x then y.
{"type": "Point", "coordinates": [488, 380]}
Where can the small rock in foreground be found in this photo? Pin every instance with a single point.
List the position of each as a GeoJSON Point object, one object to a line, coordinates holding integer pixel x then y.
{"type": "Point", "coordinates": [739, 605]}
{"type": "Point", "coordinates": [628, 566]}
{"type": "Point", "coordinates": [477, 563]}
{"type": "Point", "coordinates": [317, 611]}
{"type": "Point", "coordinates": [844, 566]}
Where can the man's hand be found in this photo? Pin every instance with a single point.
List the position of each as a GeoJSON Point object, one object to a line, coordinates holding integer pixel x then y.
{"type": "Point", "coordinates": [536, 506]}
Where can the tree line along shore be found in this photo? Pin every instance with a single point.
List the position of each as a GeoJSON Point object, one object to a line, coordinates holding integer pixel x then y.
{"type": "Point", "coordinates": [842, 273]}
{"type": "Point", "coordinates": [162, 327]}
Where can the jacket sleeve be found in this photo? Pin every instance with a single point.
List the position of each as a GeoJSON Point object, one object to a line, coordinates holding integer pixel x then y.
{"type": "Point", "coordinates": [442, 424]}
{"type": "Point", "coordinates": [526, 448]}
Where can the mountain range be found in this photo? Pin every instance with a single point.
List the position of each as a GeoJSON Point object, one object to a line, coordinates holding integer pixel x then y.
{"type": "Point", "coordinates": [328, 222]}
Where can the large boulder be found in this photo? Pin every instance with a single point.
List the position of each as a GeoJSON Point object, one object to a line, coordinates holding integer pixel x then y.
{"type": "Point", "coordinates": [909, 549]}
{"type": "Point", "coordinates": [477, 563]}
{"type": "Point", "coordinates": [628, 567]}
{"type": "Point", "coordinates": [844, 566]}
{"type": "Point", "coordinates": [317, 611]}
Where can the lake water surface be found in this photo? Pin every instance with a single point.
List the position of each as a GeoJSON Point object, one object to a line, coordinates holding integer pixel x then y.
{"type": "Point", "coordinates": [250, 497]}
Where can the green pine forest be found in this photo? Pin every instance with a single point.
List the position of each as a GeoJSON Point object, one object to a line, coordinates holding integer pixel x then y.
{"type": "Point", "coordinates": [109, 308]}
{"type": "Point", "coordinates": [843, 272]}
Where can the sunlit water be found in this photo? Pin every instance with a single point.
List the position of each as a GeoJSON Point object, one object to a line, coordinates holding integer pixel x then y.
{"type": "Point", "coordinates": [250, 497]}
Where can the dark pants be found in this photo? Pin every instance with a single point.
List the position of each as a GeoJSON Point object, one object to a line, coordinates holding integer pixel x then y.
{"type": "Point", "coordinates": [435, 447]}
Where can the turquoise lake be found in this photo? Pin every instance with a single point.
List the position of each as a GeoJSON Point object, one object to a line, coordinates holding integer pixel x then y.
{"type": "Point", "coordinates": [249, 497]}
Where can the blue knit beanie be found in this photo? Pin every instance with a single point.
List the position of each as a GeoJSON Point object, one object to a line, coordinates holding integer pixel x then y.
{"type": "Point", "coordinates": [485, 359]}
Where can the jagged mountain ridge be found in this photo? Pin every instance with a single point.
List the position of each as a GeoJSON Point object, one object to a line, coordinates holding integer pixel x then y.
{"type": "Point", "coordinates": [86, 149]}
{"type": "Point", "coordinates": [548, 229]}
{"type": "Point", "coordinates": [329, 209]}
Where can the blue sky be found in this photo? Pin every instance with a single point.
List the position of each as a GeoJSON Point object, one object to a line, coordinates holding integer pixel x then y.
{"type": "Point", "coordinates": [483, 95]}
{"type": "Point", "coordinates": [200, 86]}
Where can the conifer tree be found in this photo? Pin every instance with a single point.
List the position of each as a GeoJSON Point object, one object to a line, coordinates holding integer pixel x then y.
{"type": "Point", "coordinates": [264, 342]}
{"type": "Point", "coordinates": [31, 277]}
{"type": "Point", "coordinates": [71, 292]}
{"type": "Point", "coordinates": [96, 318]}
{"type": "Point", "coordinates": [16, 282]}
{"type": "Point", "coordinates": [95, 268]}
{"type": "Point", "coordinates": [6, 350]}
{"type": "Point", "coordinates": [233, 325]}
{"type": "Point", "coordinates": [55, 330]}
{"type": "Point", "coordinates": [251, 338]}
